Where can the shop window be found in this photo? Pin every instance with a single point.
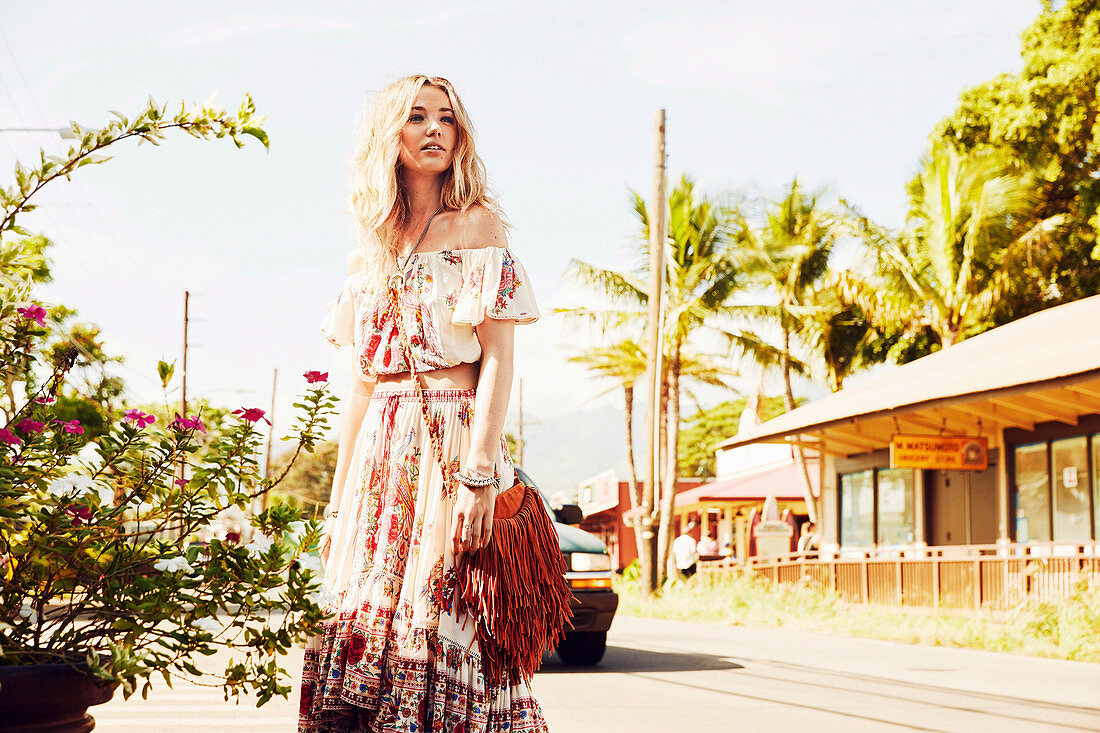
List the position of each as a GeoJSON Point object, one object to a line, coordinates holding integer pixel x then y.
{"type": "Point", "coordinates": [857, 508]}
{"type": "Point", "coordinates": [1072, 486]}
{"type": "Point", "coordinates": [1032, 493]}
{"type": "Point", "coordinates": [895, 506]}
{"type": "Point", "coordinates": [1096, 486]}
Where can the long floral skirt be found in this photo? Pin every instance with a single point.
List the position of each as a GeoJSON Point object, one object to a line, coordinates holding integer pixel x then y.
{"type": "Point", "coordinates": [395, 657]}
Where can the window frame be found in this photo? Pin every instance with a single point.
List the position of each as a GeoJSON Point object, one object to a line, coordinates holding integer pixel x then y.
{"type": "Point", "coordinates": [875, 468]}
{"type": "Point", "coordinates": [1092, 451]}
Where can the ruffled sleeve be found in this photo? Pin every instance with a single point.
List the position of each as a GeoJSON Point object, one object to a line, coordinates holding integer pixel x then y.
{"type": "Point", "coordinates": [494, 283]}
{"type": "Point", "coordinates": [338, 325]}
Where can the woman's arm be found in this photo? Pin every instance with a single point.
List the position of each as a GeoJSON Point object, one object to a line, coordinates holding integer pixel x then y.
{"type": "Point", "coordinates": [351, 417]}
{"type": "Point", "coordinates": [472, 521]}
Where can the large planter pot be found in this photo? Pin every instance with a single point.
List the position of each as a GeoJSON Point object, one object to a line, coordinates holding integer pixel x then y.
{"type": "Point", "coordinates": [49, 698]}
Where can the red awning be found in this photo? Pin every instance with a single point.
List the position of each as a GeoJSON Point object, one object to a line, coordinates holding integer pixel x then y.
{"type": "Point", "coordinates": [784, 483]}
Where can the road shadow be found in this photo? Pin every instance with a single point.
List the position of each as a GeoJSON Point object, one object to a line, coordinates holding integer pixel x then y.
{"type": "Point", "coordinates": [625, 659]}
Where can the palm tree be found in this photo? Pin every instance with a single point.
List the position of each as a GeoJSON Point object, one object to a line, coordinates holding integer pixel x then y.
{"type": "Point", "coordinates": [699, 280]}
{"type": "Point", "coordinates": [625, 363]}
{"type": "Point", "coordinates": [972, 237]}
{"type": "Point", "coordinates": [838, 334]}
{"type": "Point", "coordinates": [788, 258]}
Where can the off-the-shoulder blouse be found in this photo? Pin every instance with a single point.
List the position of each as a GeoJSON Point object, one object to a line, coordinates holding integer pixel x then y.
{"type": "Point", "coordinates": [445, 295]}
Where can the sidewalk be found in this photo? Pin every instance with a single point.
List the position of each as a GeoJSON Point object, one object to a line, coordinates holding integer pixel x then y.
{"type": "Point", "coordinates": [189, 708]}
{"type": "Point", "coordinates": [673, 675]}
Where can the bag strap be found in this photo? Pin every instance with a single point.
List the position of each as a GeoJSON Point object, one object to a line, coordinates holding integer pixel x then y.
{"type": "Point", "coordinates": [436, 439]}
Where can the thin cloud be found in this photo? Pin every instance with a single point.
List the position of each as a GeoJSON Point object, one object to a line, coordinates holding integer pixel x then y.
{"type": "Point", "coordinates": [236, 26]}
{"type": "Point", "coordinates": [748, 50]}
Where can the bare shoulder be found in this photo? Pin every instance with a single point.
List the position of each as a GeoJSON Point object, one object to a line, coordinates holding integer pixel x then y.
{"type": "Point", "coordinates": [357, 260]}
{"type": "Point", "coordinates": [478, 227]}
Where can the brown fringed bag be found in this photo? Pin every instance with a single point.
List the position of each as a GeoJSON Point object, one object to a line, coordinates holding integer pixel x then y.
{"type": "Point", "coordinates": [514, 588]}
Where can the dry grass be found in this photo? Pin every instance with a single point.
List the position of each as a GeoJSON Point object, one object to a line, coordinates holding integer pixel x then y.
{"type": "Point", "coordinates": [1069, 630]}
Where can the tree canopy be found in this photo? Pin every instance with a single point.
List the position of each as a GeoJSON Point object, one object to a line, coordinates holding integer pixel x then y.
{"type": "Point", "coordinates": [1045, 118]}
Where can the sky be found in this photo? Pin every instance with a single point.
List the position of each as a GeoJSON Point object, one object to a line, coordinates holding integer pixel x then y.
{"type": "Point", "coordinates": [563, 95]}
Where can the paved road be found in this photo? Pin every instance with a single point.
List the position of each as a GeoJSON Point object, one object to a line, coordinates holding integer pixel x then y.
{"type": "Point", "coordinates": [673, 676]}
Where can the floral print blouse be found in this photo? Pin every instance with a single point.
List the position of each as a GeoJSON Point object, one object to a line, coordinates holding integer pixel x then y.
{"type": "Point", "coordinates": [444, 296]}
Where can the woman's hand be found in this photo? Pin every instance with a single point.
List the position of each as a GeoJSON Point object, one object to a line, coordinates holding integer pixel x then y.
{"type": "Point", "coordinates": [472, 518]}
{"type": "Point", "coordinates": [326, 546]}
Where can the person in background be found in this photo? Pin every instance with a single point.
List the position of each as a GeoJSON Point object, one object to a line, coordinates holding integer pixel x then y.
{"type": "Point", "coordinates": [708, 547]}
{"type": "Point", "coordinates": [685, 551]}
{"type": "Point", "coordinates": [807, 538]}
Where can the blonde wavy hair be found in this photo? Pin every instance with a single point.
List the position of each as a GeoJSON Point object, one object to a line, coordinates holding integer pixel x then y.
{"type": "Point", "coordinates": [379, 202]}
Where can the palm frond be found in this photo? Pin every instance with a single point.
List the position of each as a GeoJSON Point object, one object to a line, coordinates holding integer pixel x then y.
{"type": "Point", "coordinates": [606, 319]}
{"type": "Point", "coordinates": [612, 283]}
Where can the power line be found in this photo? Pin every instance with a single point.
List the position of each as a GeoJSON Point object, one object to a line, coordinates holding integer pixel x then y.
{"type": "Point", "coordinates": [78, 187]}
{"type": "Point", "coordinates": [68, 203]}
{"type": "Point", "coordinates": [73, 250]}
{"type": "Point", "coordinates": [141, 271]}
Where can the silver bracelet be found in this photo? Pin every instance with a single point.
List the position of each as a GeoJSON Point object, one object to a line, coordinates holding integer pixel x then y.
{"type": "Point", "coordinates": [477, 479]}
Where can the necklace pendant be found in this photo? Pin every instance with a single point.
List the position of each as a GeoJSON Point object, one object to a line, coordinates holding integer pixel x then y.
{"type": "Point", "coordinates": [396, 280]}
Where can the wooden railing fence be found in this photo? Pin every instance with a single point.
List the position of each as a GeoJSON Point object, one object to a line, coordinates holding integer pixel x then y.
{"type": "Point", "coordinates": [990, 577]}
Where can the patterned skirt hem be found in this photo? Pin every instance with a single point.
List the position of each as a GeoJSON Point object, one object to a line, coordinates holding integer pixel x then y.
{"type": "Point", "coordinates": [444, 691]}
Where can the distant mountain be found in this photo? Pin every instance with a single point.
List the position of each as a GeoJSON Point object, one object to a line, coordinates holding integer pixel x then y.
{"type": "Point", "coordinates": [566, 449]}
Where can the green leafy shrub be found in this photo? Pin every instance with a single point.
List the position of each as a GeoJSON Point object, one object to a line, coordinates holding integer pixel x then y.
{"type": "Point", "coordinates": [99, 558]}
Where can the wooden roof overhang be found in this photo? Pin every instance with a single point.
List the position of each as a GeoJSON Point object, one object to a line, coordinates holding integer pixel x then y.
{"type": "Point", "coordinates": [1042, 368]}
{"type": "Point", "coordinates": [798, 506]}
{"type": "Point", "coordinates": [985, 414]}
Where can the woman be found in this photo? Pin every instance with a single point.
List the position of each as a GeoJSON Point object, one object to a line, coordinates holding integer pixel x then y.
{"type": "Point", "coordinates": [432, 274]}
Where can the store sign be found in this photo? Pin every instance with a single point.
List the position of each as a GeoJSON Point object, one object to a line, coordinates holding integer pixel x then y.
{"type": "Point", "coordinates": [599, 492]}
{"type": "Point", "coordinates": [946, 452]}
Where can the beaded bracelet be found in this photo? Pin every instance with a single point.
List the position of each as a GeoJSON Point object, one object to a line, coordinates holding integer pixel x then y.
{"type": "Point", "coordinates": [476, 479]}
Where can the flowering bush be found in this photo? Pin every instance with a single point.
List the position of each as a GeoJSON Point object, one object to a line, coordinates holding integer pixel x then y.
{"type": "Point", "coordinates": [98, 554]}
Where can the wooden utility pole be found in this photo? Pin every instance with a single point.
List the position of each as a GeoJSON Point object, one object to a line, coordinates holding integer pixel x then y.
{"type": "Point", "coordinates": [270, 435]}
{"type": "Point", "coordinates": [186, 305]}
{"type": "Point", "coordinates": [652, 493]}
{"type": "Point", "coordinates": [183, 394]}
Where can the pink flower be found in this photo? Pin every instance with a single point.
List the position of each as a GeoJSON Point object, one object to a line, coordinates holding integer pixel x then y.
{"type": "Point", "coordinates": [315, 376]}
{"type": "Point", "coordinates": [80, 514]}
{"type": "Point", "coordinates": [45, 400]}
{"type": "Point", "coordinates": [252, 414]}
{"type": "Point", "coordinates": [72, 426]}
{"type": "Point", "coordinates": [33, 313]}
{"type": "Point", "coordinates": [7, 436]}
{"type": "Point", "coordinates": [181, 482]}
{"type": "Point", "coordinates": [28, 426]}
{"type": "Point", "coordinates": [141, 418]}
{"type": "Point", "coordinates": [188, 423]}
{"type": "Point", "coordinates": [233, 537]}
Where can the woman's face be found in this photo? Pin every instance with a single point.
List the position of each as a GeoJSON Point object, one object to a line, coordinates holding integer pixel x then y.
{"type": "Point", "coordinates": [428, 139]}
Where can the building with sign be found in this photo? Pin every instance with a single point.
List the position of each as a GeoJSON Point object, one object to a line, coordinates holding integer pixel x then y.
{"type": "Point", "coordinates": [995, 441]}
{"type": "Point", "coordinates": [724, 507]}
{"type": "Point", "coordinates": [721, 507]}
{"type": "Point", "coordinates": [605, 501]}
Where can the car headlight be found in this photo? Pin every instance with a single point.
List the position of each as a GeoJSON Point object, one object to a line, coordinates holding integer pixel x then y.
{"type": "Point", "coordinates": [582, 562]}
